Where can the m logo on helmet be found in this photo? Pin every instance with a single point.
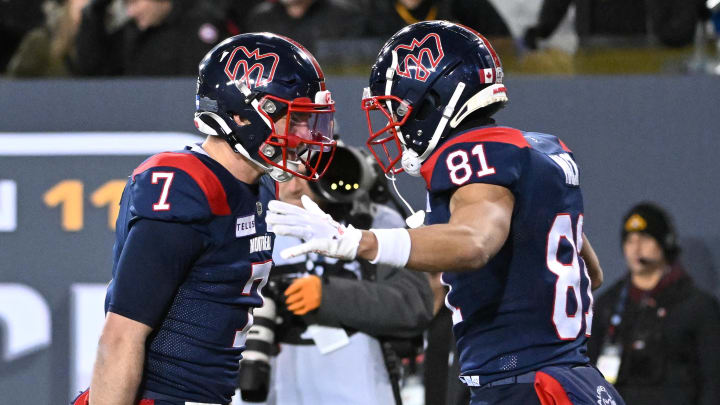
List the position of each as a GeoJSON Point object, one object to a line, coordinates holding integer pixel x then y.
{"type": "Point", "coordinates": [419, 59]}
{"type": "Point", "coordinates": [251, 67]}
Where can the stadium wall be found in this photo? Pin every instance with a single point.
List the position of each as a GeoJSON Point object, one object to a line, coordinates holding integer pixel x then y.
{"type": "Point", "coordinates": [67, 146]}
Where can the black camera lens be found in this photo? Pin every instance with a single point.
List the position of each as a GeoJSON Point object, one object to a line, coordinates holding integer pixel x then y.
{"type": "Point", "coordinates": [348, 176]}
{"type": "Point", "coordinates": [254, 377]}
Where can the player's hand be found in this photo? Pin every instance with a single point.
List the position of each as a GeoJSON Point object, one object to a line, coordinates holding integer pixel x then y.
{"type": "Point", "coordinates": [321, 233]}
{"type": "Point", "coordinates": [304, 295]}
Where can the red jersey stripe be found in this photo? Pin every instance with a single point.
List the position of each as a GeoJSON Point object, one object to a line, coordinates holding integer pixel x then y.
{"type": "Point", "coordinates": [494, 134]}
{"type": "Point", "coordinates": [195, 168]}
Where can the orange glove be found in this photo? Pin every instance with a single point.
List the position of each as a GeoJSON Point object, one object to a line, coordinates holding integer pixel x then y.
{"type": "Point", "coordinates": [304, 295]}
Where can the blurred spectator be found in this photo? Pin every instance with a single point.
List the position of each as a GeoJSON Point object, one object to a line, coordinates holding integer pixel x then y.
{"type": "Point", "coordinates": [307, 21]}
{"type": "Point", "coordinates": [389, 16]}
{"type": "Point", "coordinates": [161, 38]}
{"type": "Point", "coordinates": [655, 335]}
{"type": "Point", "coordinates": [47, 50]}
{"type": "Point", "coordinates": [481, 16]}
{"type": "Point", "coordinates": [714, 9]}
{"type": "Point", "coordinates": [235, 13]}
{"type": "Point", "coordinates": [17, 17]}
{"type": "Point", "coordinates": [614, 22]}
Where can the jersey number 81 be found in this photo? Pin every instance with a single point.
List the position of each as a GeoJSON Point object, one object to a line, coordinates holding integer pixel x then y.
{"type": "Point", "coordinates": [569, 276]}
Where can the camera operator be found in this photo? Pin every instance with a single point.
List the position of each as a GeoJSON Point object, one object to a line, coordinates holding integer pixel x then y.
{"type": "Point", "coordinates": [340, 325]}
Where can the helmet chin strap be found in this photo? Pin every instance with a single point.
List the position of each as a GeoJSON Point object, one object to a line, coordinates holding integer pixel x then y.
{"type": "Point", "coordinates": [216, 126]}
{"type": "Point", "coordinates": [411, 162]}
{"type": "Point", "coordinates": [245, 90]}
{"type": "Point", "coordinates": [416, 218]}
{"type": "Point", "coordinates": [281, 175]}
{"type": "Point", "coordinates": [274, 172]}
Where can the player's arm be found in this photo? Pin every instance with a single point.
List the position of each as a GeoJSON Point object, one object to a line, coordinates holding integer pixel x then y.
{"type": "Point", "coordinates": [119, 361]}
{"type": "Point", "coordinates": [480, 217]}
{"type": "Point", "coordinates": [439, 291]}
{"type": "Point", "coordinates": [591, 263]}
{"type": "Point", "coordinates": [155, 260]}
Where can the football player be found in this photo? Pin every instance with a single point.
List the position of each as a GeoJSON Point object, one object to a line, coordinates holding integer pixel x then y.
{"type": "Point", "coordinates": [505, 220]}
{"type": "Point", "coordinates": [193, 251]}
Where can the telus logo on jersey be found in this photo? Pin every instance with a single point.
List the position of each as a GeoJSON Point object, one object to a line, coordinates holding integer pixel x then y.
{"type": "Point", "coordinates": [420, 57]}
{"type": "Point", "coordinates": [244, 226]}
{"type": "Point", "coordinates": [257, 69]}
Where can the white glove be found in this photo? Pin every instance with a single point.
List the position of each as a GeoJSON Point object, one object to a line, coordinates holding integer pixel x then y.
{"type": "Point", "coordinates": [321, 233]}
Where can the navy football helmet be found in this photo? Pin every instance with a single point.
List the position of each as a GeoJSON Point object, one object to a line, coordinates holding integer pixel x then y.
{"type": "Point", "coordinates": [428, 78]}
{"type": "Point", "coordinates": [276, 89]}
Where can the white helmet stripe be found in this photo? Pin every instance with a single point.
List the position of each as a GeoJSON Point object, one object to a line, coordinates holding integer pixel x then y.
{"type": "Point", "coordinates": [245, 90]}
{"type": "Point", "coordinates": [389, 74]}
{"type": "Point", "coordinates": [447, 114]}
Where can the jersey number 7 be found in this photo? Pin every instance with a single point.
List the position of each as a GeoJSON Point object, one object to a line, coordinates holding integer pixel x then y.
{"type": "Point", "coordinates": [162, 204]}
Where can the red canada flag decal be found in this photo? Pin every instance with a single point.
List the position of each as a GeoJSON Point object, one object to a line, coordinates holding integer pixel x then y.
{"type": "Point", "coordinates": [257, 69]}
{"type": "Point", "coordinates": [487, 75]}
{"type": "Point", "coordinates": [419, 59]}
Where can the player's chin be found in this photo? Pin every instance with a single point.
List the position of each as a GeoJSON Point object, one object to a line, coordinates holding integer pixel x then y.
{"type": "Point", "coordinates": [295, 200]}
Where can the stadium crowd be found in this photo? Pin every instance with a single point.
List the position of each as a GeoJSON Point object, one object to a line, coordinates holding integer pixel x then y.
{"type": "Point", "coordinates": [167, 37]}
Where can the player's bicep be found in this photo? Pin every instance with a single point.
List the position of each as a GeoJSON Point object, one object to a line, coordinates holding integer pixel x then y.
{"type": "Point", "coordinates": [487, 210]}
{"type": "Point", "coordinates": [155, 260]}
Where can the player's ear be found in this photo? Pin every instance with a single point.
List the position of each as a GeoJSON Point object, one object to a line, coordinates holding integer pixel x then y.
{"type": "Point", "coordinates": [240, 120]}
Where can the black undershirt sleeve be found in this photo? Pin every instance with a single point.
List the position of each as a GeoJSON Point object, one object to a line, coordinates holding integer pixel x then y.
{"type": "Point", "coordinates": [156, 258]}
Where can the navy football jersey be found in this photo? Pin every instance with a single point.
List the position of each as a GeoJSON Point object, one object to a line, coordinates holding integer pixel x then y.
{"type": "Point", "coordinates": [197, 339]}
{"type": "Point", "coordinates": [531, 304]}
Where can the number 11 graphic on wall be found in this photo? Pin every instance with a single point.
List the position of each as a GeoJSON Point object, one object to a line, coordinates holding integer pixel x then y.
{"type": "Point", "coordinates": [68, 194]}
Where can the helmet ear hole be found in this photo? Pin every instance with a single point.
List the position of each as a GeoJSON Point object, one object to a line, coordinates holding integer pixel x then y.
{"type": "Point", "coordinates": [429, 104]}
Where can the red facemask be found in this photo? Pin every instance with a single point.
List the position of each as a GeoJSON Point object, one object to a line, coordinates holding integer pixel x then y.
{"type": "Point", "coordinates": [308, 133]}
{"type": "Point", "coordinates": [385, 143]}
